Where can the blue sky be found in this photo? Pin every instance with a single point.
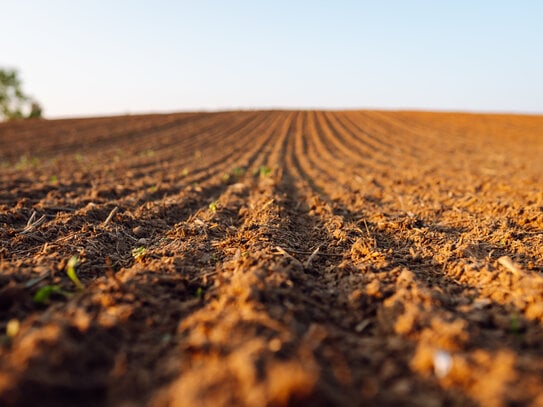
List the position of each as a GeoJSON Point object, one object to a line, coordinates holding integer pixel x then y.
{"type": "Point", "coordinates": [84, 58]}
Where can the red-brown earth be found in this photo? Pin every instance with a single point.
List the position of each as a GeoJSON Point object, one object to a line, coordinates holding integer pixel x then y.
{"type": "Point", "coordinates": [272, 258]}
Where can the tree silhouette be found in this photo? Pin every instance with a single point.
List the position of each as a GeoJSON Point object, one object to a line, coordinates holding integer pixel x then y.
{"type": "Point", "coordinates": [13, 102]}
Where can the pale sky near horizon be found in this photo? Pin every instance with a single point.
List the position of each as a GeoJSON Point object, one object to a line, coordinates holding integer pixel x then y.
{"type": "Point", "coordinates": [85, 58]}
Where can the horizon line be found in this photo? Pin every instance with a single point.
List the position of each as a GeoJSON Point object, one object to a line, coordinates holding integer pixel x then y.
{"type": "Point", "coordinates": [311, 108]}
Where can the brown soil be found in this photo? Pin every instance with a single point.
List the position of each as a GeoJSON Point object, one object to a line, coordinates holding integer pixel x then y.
{"type": "Point", "coordinates": [273, 258]}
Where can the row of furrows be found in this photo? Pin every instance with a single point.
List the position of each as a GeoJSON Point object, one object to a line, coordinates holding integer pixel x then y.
{"type": "Point", "coordinates": [101, 175]}
{"type": "Point", "coordinates": [239, 150]}
{"type": "Point", "coordinates": [253, 286]}
{"type": "Point", "coordinates": [442, 144]}
{"type": "Point", "coordinates": [327, 282]}
{"type": "Point", "coordinates": [273, 147]}
{"type": "Point", "coordinates": [215, 189]}
{"type": "Point", "coordinates": [212, 246]}
{"type": "Point", "coordinates": [382, 177]}
{"type": "Point", "coordinates": [147, 151]}
{"type": "Point", "coordinates": [85, 189]}
{"type": "Point", "coordinates": [380, 181]}
{"type": "Point", "coordinates": [375, 132]}
{"type": "Point", "coordinates": [336, 144]}
{"type": "Point", "coordinates": [266, 221]}
{"type": "Point", "coordinates": [369, 127]}
{"type": "Point", "coordinates": [484, 282]}
{"type": "Point", "coordinates": [167, 150]}
{"type": "Point", "coordinates": [351, 144]}
{"type": "Point", "coordinates": [209, 181]}
{"type": "Point", "coordinates": [187, 261]}
{"type": "Point", "coordinates": [424, 347]}
{"type": "Point", "coordinates": [363, 136]}
{"type": "Point", "coordinates": [321, 171]}
{"type": "Point", "coordinates": [133, 313]}
{"type": "Point", "coordinates": [255, 289]}
{"type": "Point", "coordinates": [192, 254]}
{"type": "Point", "coordinates": [396, 150]}
{"type": "Point", "coordinates": [187, 251]}
{"type": "Point", "coordinates": [297, 149]}
{"type": "Point", "coordinates": [61, 173]}
{"type": "Point", "coordinates": [460, 126]}
{"type": "Point", "coordinates": [508, 142]}
{"type": "Point", "coordinates": [450, 138]}
{"type": "Point", "coordinates": [26, 131]}
{"type": "Point", "coordinates": [215, 137]}
{"type": "Point", "coordinates": [133, 134]}
{"type": "Point", "coordinates": [484, 133]}
{"type": "Point", "coordinates": [65, 127]}
{"type": "Point", "coordinates": [48, 139]}
{"type": "Point", "coordinates": [171, 204]}
{"type": "Point", "coordinates": [399, 129]}
{"type": "Point", "coordinates": [328, 158]}
{"type": "Point", "coordinates": [183, 157]}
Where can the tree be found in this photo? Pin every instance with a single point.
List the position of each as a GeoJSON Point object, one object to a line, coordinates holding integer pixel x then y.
{"type": "Point", "coordinates": [13, 102]}
{"type": "Point", "coordinates": [35, 110]}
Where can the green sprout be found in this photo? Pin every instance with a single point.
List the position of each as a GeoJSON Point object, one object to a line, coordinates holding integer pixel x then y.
{"type": "Point", "coordinates": [199, 292]}
{"type": "Point", "coordinates": [25, 163]}
{"type": "Point", "coordinates": [264, 171]}
{"type": "Point", "coordinates": [53, 179]}
{"type": "Point", "coordinates": [238, 172]}
{"type": "Point", "coordinates": [139, 252]}
{"type": "Point", "coordinates": [213, 206]}
{"type": "Point", "coordinates": [43, 295]}
{"type": "Point", "coordinates": [70, 271]}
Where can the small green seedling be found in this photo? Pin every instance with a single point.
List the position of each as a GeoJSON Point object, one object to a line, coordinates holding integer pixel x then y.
{"type": "Point", "coordinates": [199, 292]}
{"type": "Point", "coordinates": [139, 252]}
{"type": "Point", "coordinates": [213, 206]}
{"type": "Point", "coordinates": [238, 172]}
{"type": "Point", "coordinates": [43, 295]}
{"type": "Point", "coordinates": [264, 171]}
{"type": "Point", "coordinates": [70, 271]}
{"type": "Point", "coordinates": [25, 163]}
{"type": "Point", "coordinates": [53, 179]}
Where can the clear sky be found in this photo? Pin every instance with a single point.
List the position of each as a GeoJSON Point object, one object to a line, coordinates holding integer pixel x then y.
{"type": "Point", "coordinates": [82, 58]}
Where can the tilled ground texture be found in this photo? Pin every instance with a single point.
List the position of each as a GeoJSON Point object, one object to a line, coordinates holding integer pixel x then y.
{"type": "Point", "coordinates": [272, 258]}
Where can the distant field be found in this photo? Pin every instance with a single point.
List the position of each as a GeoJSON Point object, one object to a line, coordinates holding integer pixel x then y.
{"type": "Point", "coordinates": [272, 258]}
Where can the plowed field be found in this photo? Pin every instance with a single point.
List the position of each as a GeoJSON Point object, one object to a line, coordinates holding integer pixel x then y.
{"type": "Point", "coordinates": [272, 258]}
